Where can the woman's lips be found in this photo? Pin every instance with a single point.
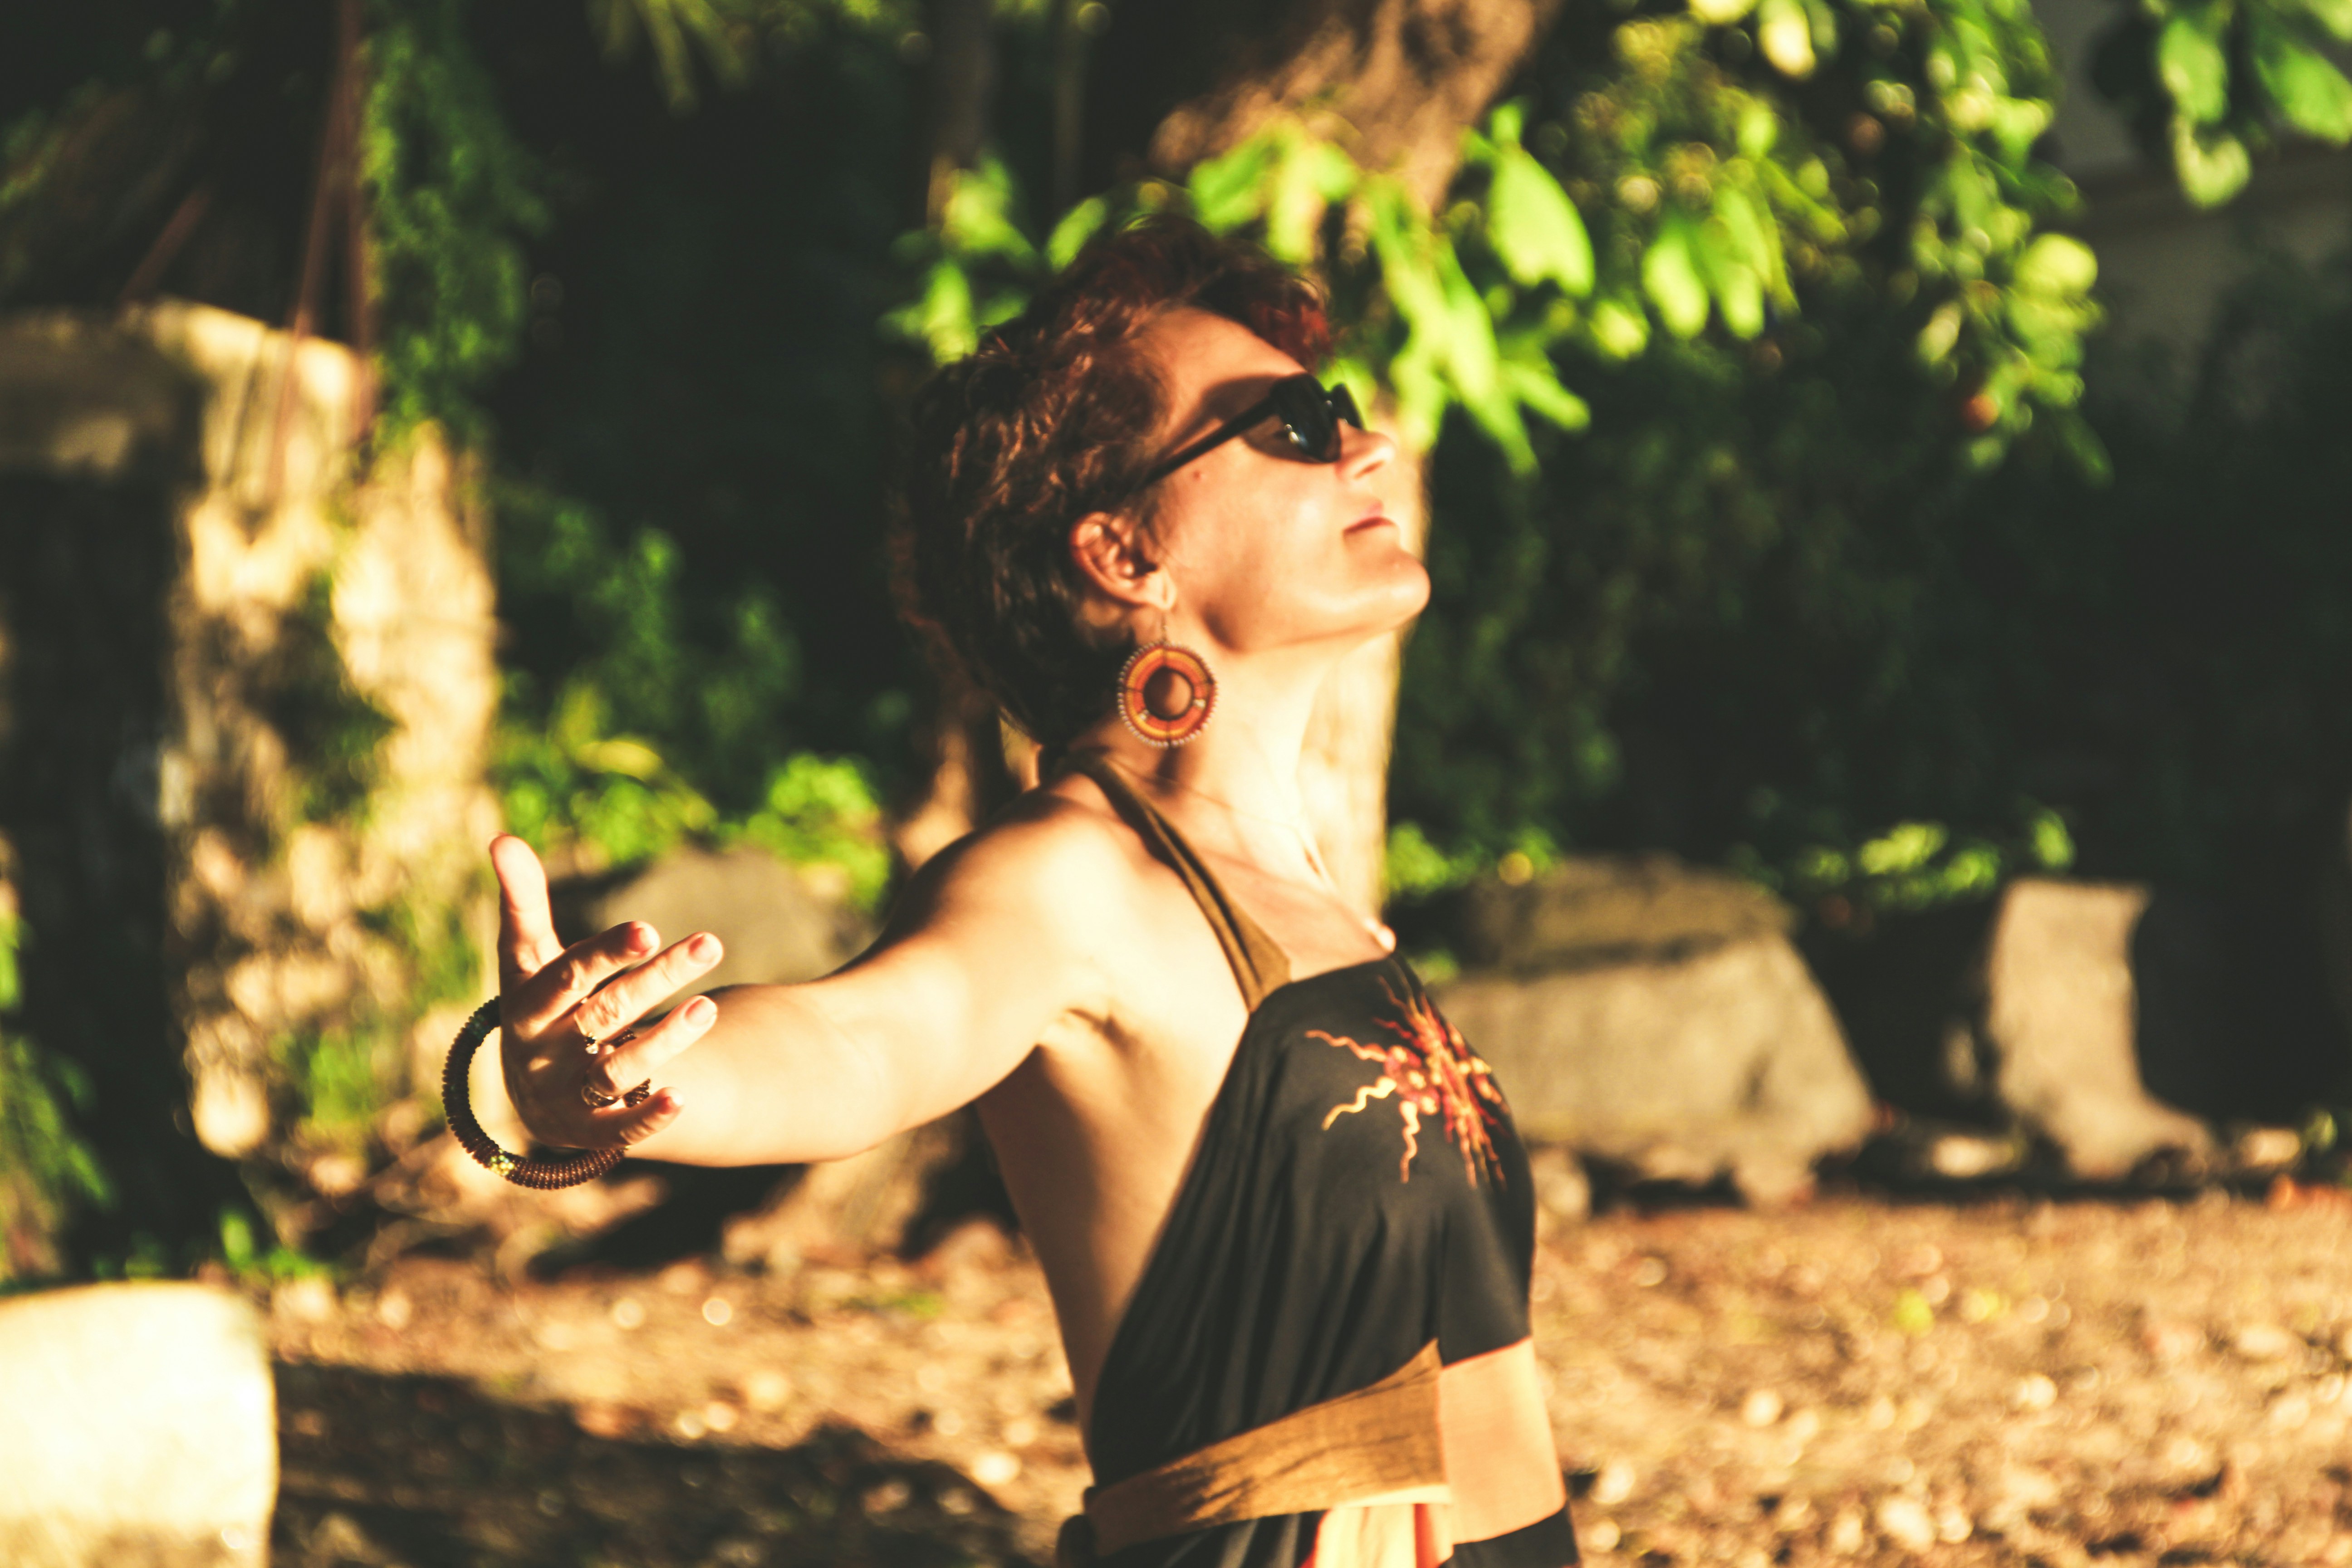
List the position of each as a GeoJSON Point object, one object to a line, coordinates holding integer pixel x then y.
{"type": "Point", "coordinates": [1375, 521]}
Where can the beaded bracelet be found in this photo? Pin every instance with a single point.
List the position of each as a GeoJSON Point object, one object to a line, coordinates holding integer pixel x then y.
{"type": "Point", "coordinates": [523, 1170]}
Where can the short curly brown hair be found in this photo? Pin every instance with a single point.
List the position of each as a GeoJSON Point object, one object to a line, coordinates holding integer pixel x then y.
{"type": "Point", "coordinates": [1047, 421]}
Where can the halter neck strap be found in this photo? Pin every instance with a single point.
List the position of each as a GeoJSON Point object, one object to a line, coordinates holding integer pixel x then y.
{"type": "Point", "coordinates": [1259, 963]}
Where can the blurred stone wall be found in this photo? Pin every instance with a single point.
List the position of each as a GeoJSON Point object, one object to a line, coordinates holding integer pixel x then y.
{"type": "Point", "coordinates": [247, 685]}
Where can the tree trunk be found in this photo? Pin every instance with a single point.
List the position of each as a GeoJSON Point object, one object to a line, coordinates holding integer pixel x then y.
{"type": "Point", "coordinates": [958, 722]}
{"type": "Point", "coordinates": [1407, 76]}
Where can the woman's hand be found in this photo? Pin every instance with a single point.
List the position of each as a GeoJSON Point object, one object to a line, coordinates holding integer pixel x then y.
{"type": "Point", "coordinates": [565, 1013]}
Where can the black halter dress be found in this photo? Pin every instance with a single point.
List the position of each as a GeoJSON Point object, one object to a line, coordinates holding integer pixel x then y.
{"type": "Point", "coordinates": [1359, 1195]}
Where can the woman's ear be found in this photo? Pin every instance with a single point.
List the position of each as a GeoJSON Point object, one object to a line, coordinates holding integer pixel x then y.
{"type": "Point", "coordinates": [1113, 554]}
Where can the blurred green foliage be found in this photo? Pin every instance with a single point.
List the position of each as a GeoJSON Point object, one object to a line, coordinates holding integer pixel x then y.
{"type": "Point", "coordinates": [334, 733]}
{"type": "Point", "coordinates": [1694, 177]}
{"type": "Point", "coordinates": [2211, 84]}
{"type": "Point", "coordinates": [46, 1169]}
{"type": "Point", "coordinates": [453, 198]}
{"type": "Point", "coordinates": [624, 756]}
{"type": "Point", "coordinates": [707, 648]}
{"type": "Point", "coordinates": [1760, 626]}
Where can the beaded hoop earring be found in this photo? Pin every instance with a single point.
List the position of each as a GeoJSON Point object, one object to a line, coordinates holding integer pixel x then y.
{"type": "Point", "coordinates": [1166, 693]}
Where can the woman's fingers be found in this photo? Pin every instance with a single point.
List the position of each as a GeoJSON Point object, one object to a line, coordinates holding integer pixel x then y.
{"type": "Point", "coordinates": [527, 940]}
{"type": "Point", "coordinates": [536, 1003]}
{"type": "Point", "coordinates": [632, 995]}
{"type": "Point", "coordinates": [642, 1052]}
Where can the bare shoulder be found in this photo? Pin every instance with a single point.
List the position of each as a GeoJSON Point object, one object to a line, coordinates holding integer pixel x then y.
{"type": "Point", "coordinates": [1056, 859]}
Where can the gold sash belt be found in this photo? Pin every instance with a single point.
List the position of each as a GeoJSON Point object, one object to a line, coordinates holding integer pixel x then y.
{"type": "Point", "coordinates": [1377, 1444]}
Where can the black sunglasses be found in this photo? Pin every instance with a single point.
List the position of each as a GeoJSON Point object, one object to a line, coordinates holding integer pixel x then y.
{"type": "Point", "coordinates": [1310, 414]}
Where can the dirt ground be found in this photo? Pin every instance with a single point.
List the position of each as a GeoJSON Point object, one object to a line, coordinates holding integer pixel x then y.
{"type": "Point", "coordinates": [2010, 1381]}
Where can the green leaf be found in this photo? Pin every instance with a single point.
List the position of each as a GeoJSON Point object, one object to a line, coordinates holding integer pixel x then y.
{"type": "Point", "coordinates": [2333, 15]}
{"type": "Point", "coordinates": [1537, 386]}
{"type": "Point", "coordinates": [2213, 166]}
{"type": "Point", "coordinates": [1671, 276]}
{"type": "Point", "coordinates": [1619, 329]}
{"type": "Point", "coordinates": [2059, 266]}
{"type": "Point", "coordinates": [669, 24]}
{"type": "Point", "coordinates": [2053, 845]}
{"type": "Point", "coordinates": [1739, 295]}
{"type": "Point", "coordinates": [1412, 282]}
{"type": "Point", "coordinates": [1225, 191]}
{"type": "Point", "coordinates": [1468, 341]}
{"type": "Point", "coordinates": [941, 318]}
{"type": "Point", "coordinates": [1506, 123]}
{"type": "Point", "coordinates": [1785, 32]}
{"type": "Point", "coordinates": [1335, 174]}
{"type": "Point", "coordinates": [1295, 197]}
{"type": "Point", "coordinates": [1077, 227]}
{"type": "Point", "coordinates": [1721, 13]}
{"type": "Point", "coordinates": [1756, 236]}
{"type": "Point", "coordinates": [1941, 332]}
{"type": "Point", "coordinates": [2192, 65]}
{"type": "Point", "coordinates": [1421, 394]}
{"type": "Point", "coordinates": [1904, 847]}
{"type": "Point", "coordinates": [1534, 227]}
{"type": "Point", "coordinates": [979, 216]}
{"type": "Point", "coordinates": [2309, 91]}
{"type": "Point", "coordinates": [2017, 123]}
{"type": "Point", "coordinates": [1823, 18]}
{"type": "Point", "coordinates": [1498, 414]}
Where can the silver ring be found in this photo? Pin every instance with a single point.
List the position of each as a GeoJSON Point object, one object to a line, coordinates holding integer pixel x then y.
{"type": "Point", "coordinates": [597, 1099]}
{"type": "Point", "coordinates": [596, 1048]}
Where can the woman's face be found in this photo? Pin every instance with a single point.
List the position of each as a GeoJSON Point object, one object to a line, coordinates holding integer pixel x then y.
{"type": "Point", "coordinates": [1266, 549]}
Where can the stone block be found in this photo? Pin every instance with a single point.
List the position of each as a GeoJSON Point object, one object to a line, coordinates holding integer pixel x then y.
{"type": "Point", "coordinates": [1678, 1033]}
{"type": "Point", "coordinates": [1602, 909]}
{"type": "Point", "coordinates": [776, 929]}
{"type": "Point", "coordinates": [140, 1429]}
{"type": "Point", "coordinates": [2060, 1026]}
{"type": "Point", "coordinates": [247, 685]}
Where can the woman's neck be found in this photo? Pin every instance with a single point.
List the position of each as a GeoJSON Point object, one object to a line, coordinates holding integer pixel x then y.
{"type": "Point", "coordinates": [1239, 776]}
{"type": "Point", "coordinates": [1247, 756]}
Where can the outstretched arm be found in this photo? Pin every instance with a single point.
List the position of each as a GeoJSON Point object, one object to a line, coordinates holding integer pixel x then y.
{"type": "Point", "coordinates": [988, 946]}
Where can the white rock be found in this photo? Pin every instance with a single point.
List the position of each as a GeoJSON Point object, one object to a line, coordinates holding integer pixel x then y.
{"type": "Point", "coordinates": [2265, 1149]}
{"type": "Point", "coordinates": [1906, 1522]}
{"type": "Point", "coordinates": [2061, 1014]}
{"type": "Point", "coordinates": [2033, 1392]}
{"type": "Point", "coordinates": [2264, 1341]}
{"type": "Point", "coordinates": [1845, 1537]}
{"type": "Point", "coordinates": [140, 1426]}
{"type": "Point", "coordinates": [1615, 1484]}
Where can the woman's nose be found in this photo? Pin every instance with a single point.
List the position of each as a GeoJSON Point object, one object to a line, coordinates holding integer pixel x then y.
{"type": "Point", "coordinates": [1363, 453]}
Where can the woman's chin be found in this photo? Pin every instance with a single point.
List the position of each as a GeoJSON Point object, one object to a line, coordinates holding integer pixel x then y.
{"type": "Point", "coordinates": [1408, 588]}
{"type": "Point", "coordinates": [1399, 596]}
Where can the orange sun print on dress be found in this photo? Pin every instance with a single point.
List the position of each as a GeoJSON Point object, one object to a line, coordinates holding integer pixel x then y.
{"type": "Point", "coordinates": [1430, 1071]}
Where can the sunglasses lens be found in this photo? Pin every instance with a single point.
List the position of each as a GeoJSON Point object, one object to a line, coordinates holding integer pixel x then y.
{"type": "Point", "coordinates": [1312, 417]}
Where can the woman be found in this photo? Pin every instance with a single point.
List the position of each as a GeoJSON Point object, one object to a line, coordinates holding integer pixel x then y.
{"type": "Point", "coordinates": [1284, 1220]}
